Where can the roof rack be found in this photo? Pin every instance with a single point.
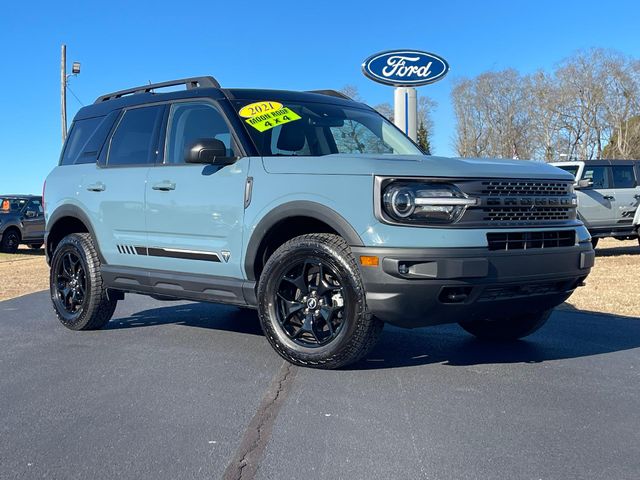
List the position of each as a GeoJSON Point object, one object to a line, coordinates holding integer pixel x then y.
{"type": "Point", "coordinates": [193, 82]}
{"type": "Point", "coordinates": [332, 93]}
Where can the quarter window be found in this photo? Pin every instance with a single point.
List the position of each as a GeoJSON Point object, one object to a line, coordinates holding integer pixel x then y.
{"type": "Point", "coordinates": [191, 122]}
{"type": "Point", "coordinates": [135, 139]}
{"type": "Point", "coordinates": [598, 175]}
{"type": "Point", "coordinates": [623, 176]}
{"type": "Point", "coordinates": [81, 131]}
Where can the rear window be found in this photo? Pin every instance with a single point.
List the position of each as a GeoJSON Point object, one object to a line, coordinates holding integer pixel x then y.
{"type": "Point", "coordinates": [135, 139]}
{"type": "Point", "coordinates": [572, 169]}
{"type": "Point", "coordinates": [623, 176]}
{"type": "Point", "coordinates": [79, 135]}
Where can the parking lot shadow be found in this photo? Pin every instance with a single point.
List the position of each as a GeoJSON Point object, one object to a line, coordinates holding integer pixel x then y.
{"type": "Point", "coordinates": [617, 251]}
{"type": "Point", "coordinates": [201, 315]}
{"type": "Point", "coordinates": [568, 334]}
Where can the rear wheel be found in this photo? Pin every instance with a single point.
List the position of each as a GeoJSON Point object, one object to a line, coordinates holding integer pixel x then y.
{"type": "Point", "coordinates": [79, 297]}
{"type": "Point", "coordinates": [311, 303]}
{"type": "Point", "coordinates": [505, 329]}
{"type": "Point", "coordinates": [10, 241]}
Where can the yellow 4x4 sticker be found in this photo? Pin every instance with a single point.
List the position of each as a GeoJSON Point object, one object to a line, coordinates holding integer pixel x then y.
{"type": "Point", "coordinates": [267, 114]}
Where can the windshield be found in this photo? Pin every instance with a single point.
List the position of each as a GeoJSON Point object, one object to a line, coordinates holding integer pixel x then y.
{"type": "Point", "coordinates": [12, 204]}
{"type": "Point", "coordinates": [572, 169]}
{"type": "Point", "coordinates": [315, 129]}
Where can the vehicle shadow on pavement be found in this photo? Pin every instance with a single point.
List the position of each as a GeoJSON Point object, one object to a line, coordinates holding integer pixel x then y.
{"type": "Point", "coordinates": [617, 251]}
{"type": "Point", "coordinates": [568, 334]}
{"type": "Point", "coordinates": [201, 315]}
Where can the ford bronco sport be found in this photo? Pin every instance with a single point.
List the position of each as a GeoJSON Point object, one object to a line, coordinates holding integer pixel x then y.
{"type": "Point", "coordinates": [311, 208]}
{"type": "Point", "coordinates": [21, 221]}
{"type": "Point", "coordinates": [608, 197]}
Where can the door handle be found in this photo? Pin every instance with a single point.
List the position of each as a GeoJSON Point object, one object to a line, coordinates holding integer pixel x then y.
{"type": "Point", "coordinates": [608, 197]}
{"type": "Point", "coordinates": [96, 187]}
{"type": "Point", "coordinates": [164, 186]}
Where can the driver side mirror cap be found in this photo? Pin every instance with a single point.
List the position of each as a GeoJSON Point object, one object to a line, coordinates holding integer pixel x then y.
{"type": "Point", "coordinates": [584, 183]}
{"type": "Point", "coordinates": [208, 151]}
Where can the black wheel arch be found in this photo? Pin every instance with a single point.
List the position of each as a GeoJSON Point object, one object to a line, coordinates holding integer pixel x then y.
{"type": "Point", "coordinates": [63, 221]}
{"type": "Point", "coordinates": [311, 217]}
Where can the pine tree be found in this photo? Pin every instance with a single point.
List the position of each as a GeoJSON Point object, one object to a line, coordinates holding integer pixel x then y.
{"type": "Point", "coordinates": [423, 139]}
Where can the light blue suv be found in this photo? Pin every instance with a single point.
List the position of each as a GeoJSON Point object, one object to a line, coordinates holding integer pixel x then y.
{"type": "Point", "coordinates": [311, 208]}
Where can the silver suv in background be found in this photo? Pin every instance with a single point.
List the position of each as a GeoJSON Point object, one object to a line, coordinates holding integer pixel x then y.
{"type": "Point", "coordinates": [608, 196]}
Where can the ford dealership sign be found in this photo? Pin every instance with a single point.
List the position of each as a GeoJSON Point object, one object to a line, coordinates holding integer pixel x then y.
{"type": "Point", "coordinates": [405, 68]}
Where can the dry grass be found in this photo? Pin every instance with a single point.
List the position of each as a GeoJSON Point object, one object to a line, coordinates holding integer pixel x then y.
{"type": "Point", "coordinates": [22, 273]}
{"type": "Point", "coordinates": [612, 286]}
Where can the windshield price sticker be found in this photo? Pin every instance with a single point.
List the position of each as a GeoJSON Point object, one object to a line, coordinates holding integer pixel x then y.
{"type": "Point", "coordinates": [257, 108]}
{"type": "Point", "coordinates": [266, 121]}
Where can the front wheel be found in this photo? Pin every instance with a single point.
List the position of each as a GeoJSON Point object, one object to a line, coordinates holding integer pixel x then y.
{"type": "Point", "coordinates": [312, 306]}
{"type": "Point", "coordinates": [506, 329]}
{"type": "Point", "coordinates": [10, 241]}
{"type": "Point", "coordinates": [594, 242]}
{"type": "Point", "coordinates": [79, 298]}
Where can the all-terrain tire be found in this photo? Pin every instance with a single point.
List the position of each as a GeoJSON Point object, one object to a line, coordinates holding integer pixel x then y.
{"type": "Point", "coordinates": [97, 308]}
{"type": "Point", "coordinates": [10, 241]}
{"type": "Point", "coordinates": [359, 330]}
{"type": "Point", "coordinates": [507, 329]}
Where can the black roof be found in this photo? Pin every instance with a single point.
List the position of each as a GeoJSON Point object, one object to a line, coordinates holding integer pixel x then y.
{"type": "Point", "coordinates": [16, 195]}
{"type": "Point", "coordinates": [607, 162]}
{"type": "Point", "coordinates": [203, 87]}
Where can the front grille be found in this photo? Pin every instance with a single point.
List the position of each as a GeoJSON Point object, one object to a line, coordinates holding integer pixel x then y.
{"type": "Point", "coordinates": [519, 202]}
{"type": "Point", "coordinates": [525, 214]}
{"type": "Point", "coordinates": [530, 240]}
{"type": "Point", "coordinates": [508, 188]}
{"type": "Point", "coordinates": [515, 291]}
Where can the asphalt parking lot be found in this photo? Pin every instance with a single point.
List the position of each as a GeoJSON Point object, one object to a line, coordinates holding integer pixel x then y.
{"type": "Point", "coordinates": [189, 390]}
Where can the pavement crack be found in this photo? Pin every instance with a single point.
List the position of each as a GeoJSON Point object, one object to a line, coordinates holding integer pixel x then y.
{"type": "Point", "coordinates": [247, 458]}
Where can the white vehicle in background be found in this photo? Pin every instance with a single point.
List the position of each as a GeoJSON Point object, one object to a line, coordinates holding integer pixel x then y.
{"type": "Point", "coordinates": [608, 197]}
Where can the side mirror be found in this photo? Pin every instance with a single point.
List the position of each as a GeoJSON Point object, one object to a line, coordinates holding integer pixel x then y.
{"type": "Point", "coordinates": [208, 151]}
{"type": "Point", "coordinates": [30, 214]}
{"type": "Point", "coordinates": [584, 183]}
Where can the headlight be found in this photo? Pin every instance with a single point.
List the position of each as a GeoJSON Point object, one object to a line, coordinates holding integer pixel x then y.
{"type": "Point", "coordinates": [427, 203]}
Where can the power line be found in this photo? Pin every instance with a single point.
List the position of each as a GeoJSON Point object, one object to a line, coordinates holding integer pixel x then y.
{"type": "Point", "coordinates": [74, 95]}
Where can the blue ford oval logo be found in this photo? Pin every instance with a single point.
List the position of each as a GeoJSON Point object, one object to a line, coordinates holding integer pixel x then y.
{"type": "Point", "coordinates": [405, 68]}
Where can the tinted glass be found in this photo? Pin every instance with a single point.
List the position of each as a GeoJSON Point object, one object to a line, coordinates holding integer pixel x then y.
{"type": "Point", "coordinates": [191, 122]}
{"type": "Point", "coordinates": [623, 176]}
{"type": "Point", "coordinates": [598, 175]}
{"type": "Point", "coordinates": [325, 129]}
{"type": "Point", "coordinates": [135, 139]}
{"type": "Point", "coordinates": [572, 169]}
{"type": "Point", "coordinates": [35, 206]}
{"type": "Point", "coordinates": [80, 132]}
{"type": "Point", "coordinates": [12, 204]}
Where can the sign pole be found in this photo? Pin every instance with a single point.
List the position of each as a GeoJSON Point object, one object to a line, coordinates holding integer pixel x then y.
{"type": "Point", "coordinates": [406, 111]}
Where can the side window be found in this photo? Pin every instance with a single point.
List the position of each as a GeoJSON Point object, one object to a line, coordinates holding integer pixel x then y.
{"type": "Point", "coordinates": [623, 176]}
{"type": "Point", "coordinates": [79, 135]}
{"type": "Point", "coordinates": [598, 175]}
{"type": "Point", "coordinates": [35, 206]}
{"type": "Point", "coordinates": [135, 139]}
{"type": "Point", "coordinates": [189, 122]}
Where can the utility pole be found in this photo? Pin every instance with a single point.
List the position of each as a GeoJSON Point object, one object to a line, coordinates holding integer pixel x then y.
{"type": "Point", "coordinates": [64, 79]}
{"type": "Point", "coordinates": [63, 91]}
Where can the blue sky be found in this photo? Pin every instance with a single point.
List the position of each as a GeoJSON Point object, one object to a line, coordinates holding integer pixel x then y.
{"type": "Point", "coordinates": [275, 44]}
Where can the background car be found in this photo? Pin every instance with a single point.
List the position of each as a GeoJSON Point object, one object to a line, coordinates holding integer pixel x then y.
{"type": "Point", "coordinates": [608, 196]}
{"type": "Point", "coordinates": [21, 221]}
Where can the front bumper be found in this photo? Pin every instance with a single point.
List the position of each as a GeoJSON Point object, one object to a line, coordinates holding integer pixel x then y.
{"type": "Point", "coordinates": [414, 287]}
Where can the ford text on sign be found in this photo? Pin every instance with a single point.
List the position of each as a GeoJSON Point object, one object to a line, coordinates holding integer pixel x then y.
{"type": "Point", "coordinates": [405, 68]}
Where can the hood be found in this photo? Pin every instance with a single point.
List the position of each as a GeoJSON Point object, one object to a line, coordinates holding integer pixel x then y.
{"type": "Point", "coordinates": [414, 165]}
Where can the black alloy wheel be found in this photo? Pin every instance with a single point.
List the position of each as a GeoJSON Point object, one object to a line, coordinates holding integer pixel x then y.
{"type": "Point", "coordinates": [71, 284]}
{"type": "Point", "coordinates": [311, 303]}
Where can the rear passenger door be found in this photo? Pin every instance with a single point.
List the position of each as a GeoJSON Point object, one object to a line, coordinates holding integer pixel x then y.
{"type": "Point", "coordinates": [114, 190]}
{"type": "Point", "coordinates": [595, 204]}
{"type": "Point", "coordinates": [195, 212]}
{"type": "Point", "coordinates": [627, 193]}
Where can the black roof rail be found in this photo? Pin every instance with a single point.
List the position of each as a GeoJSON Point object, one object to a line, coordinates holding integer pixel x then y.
{"type": "Point", "coordinates": [332, 93]}
{"type": "Point", "coordinates": [193, 82]}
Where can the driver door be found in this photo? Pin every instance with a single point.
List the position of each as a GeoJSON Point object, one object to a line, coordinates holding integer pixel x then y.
{"type": "Point", "coordinates": [596, 204]}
